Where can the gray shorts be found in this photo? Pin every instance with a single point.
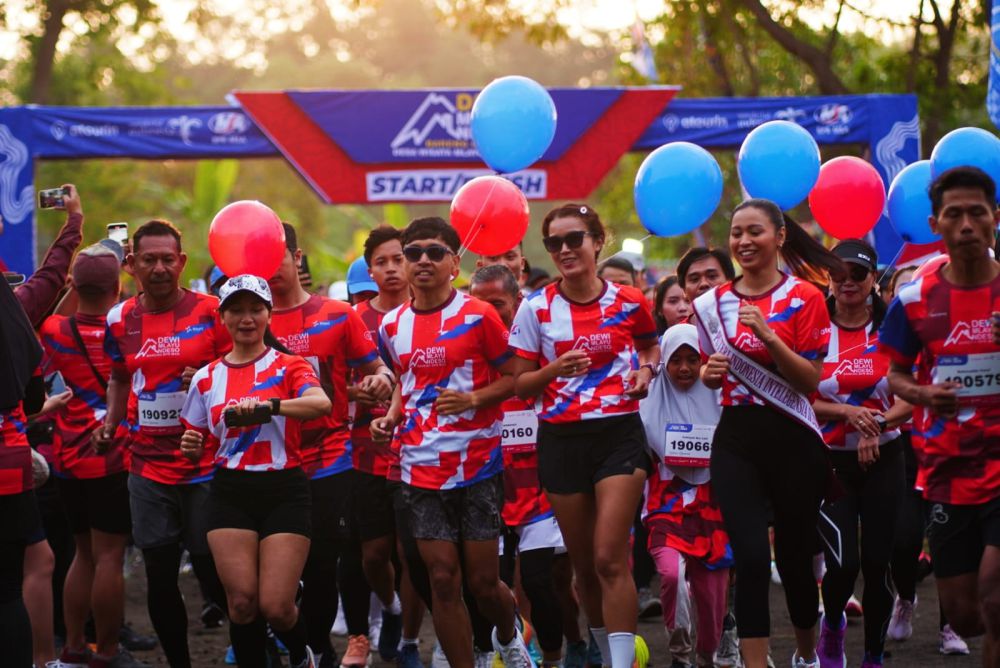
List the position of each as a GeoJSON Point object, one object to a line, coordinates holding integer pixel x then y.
{"type": "Point", "coordinates": [166, 514]}
{"type": "Point", "coordinates": [455, 515]}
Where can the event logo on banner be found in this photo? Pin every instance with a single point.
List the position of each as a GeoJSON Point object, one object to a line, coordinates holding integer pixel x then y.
{"type": "Point", "coordinates": [439, 128]}
{"type": "Point", "coordinates": [437, 185]}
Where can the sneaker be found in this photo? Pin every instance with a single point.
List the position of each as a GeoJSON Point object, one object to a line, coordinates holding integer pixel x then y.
{"type": "Point", "coordinates": [408, 657]}
{"type": "Point", "coordinates": [728, 653]}
{"type": "Point", "coordinates": [594, 658]}
{"type": "Point", "coordinates": [830, 646]}
{"type": "Point", "coordinates": [230, 659]}
{"type": "Point", "coordinates": [75, 658]}
{"type": "Point", "coordinates": [901, 623]}
{"type": "Point", "coordinates": [389, 635]}
{"type": "Point", "coordinates": [54, 664]}
{"type": "Point", "coordinates": [438, 659]}
{"type": "Point", "coordinates": [871, 661]}
{"type": "Point", "coordinates": [123, 659]}
{"type": "Point", "coordinates": [799, 662]}
{"type": "Point", "coordinates": [212, 616]}
{"type": "Point", "coordinates": [853, 608]}
{"type": "Point", "coordinates": [515, 653]}
{"type": "Point", "coordinates": [358, 652]}
{"type": "Point", "coordinates": [951, 643]}
{"type": "Point", "coordinates": [340, 623]}
{"type": "Point", "coordinates": [649, 605]}
{"type": "Point", "coordinates": [576, 655]}
{"type": "Point", "coordinates": [135, 642]}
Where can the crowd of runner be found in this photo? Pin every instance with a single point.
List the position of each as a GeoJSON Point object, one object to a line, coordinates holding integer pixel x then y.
{"type": "Point", "coordinates": [512, 460]}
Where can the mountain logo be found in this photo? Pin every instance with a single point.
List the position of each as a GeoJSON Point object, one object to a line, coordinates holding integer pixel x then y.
{"type": "Point", "coordinates": [860, 366]}
{"type": "Point", "coordinates": [974, 331]}
{"type": "Point", "coordinates": [747, 342]}
{"type": "Point", "coordinates": [163, 346]}
{"type": "Point", "coordinates": [439, 123]}
{"type": "Point", "coordinates": [423, 358]}
{"type": "Point", "coordinates": [593, 343]}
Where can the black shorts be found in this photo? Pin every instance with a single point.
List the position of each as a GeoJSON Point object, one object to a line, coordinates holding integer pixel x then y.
{"type": "Point", "coordinates": [957, 535]}
{"type": "Point", "coordinates": [572, 458]}
{"type": "Point", "coordinates": [21, 518]}
{"type": "Point", "coordinates": [371, 506]}
{"type": "Point", "coordinates": [458, 514]}
{"type": "Point", "coordinates": [331, 513]}
{"type": "Point", "coordinates": [97, 503]}
{"type": "Point", "coordinates": [267, 502]}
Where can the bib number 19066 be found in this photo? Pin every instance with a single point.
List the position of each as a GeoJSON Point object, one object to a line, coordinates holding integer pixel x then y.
{"type": "Point", "coordinates": [688, 444]}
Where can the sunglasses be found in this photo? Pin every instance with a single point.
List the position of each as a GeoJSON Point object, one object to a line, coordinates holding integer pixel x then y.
{"type": "Point", "coordinates": [434, 253]}
{"type": "Point", "coordinates": [856, 272]}
{"type": "Point", "coordinates": [573, 240]}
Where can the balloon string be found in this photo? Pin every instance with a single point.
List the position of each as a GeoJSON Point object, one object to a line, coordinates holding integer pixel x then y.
{"type": "Point", "coordinates": [621, 251]}
{"type": "Point", "coordinates": [475, 230]}
{"type": "Point", "coordinates": [892, 264]}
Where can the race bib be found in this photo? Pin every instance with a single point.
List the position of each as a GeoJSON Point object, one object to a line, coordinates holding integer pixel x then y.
{"type": "Point", "coordinates": [520, 431]}
{"type": "Point", "coordinates": [160, 412]}
{"type": "Point", "coordinates": [978, 375]}
{"type": "Point", "coordinates": [688, 444]}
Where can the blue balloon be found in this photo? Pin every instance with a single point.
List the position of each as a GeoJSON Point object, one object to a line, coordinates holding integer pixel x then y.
{"type": "Point", "coordinates": [513, 122]}
{"type": "Point", "coordinates": [909, 204]}
{"type": "Point", "coordinates": [779, 161]}
{"type": "Point", "coordinates": [677, 188]}
{"type": "Point", "coordinates": [967, 147]}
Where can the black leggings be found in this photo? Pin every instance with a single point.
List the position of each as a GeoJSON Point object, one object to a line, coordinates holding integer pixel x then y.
{"type": "Point", "coordinates": [909, 527]}
{"type": "Point", "coordinates": [539, 586]}
{"type": "Point", "coordinates": [15, 628]}
{"type": "Point", "coordinates": [762, 459]}
{"type": "Point", "coordinates": [871, 496]}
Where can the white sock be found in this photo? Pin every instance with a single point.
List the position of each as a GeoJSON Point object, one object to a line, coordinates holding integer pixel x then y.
{"type": "Point", "coordinates": [622, 649]}
{"type": "Point", "coordinates": [394, 608]}
{"type": "Point", "coordinates": [601, 638]}
{"type": "Point", "coordinates": [409, 641]}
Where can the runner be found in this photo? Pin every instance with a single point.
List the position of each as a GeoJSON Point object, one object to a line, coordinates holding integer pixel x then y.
{"type": "Point", "coordinates": [513, 259]}
{"type": "Point", "coordinates": [574, 342]}
{"type": "Point", "coordinates": [245, 410]}
{"type": "Point", "coordinates": [617, 270]}
{"type": "Point", "coordinates": [941, 322]}
{"type": "Point", "coordinates": [860, 421]}
{"type": "Point", "coordinates": [686, 537]}
{"type": "Point", "coordinates": [93, 487]}
{"type": "Point", "coordinates": [765, 334]}
{"type": "Point", "coordinates": [447, 349]}
{"type": "Point", "coordinates": [331, 336]}
{"type": "Point", "coordinates": [532, 538]}
{"type": "Point", "coordinates": [156, 341]}
{"type": "Point", "coordinates": [670, 304]}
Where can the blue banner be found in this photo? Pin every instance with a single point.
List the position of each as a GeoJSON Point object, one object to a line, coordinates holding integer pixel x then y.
{"type": "Point", "coordinates": [993, 96]}
{"type": "Point", "coordinates": [377, 127]}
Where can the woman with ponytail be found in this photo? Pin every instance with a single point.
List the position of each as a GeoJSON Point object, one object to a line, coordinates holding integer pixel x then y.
{"type": "Point", "coordinates": [860, 426]}
{"type": "Point", "coordinates": [765, 334]}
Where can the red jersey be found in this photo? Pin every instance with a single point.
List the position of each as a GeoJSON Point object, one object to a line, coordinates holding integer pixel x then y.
{"type": "Point", "coordinates": [855, 373]}
{"type": "Point", "coordinates": [946, 330]}
{"type": "Point", "coordinates": [15, 453]}
{"type": "Point", "coordinates": [795, 311]}
{"type": "Point", "coordinates": [154, 348]}
{"type": "Point", "coordinates": [73, 455]}
{"type": "Point", "coordinates": [611, 328]}
{"type": "Point", "coordinates": [457, 346]}
{"type": "Point", "coordinates": [265, 447]}
{"type": "Point", "coordinates": [366, 455]}
{"type": "Point", "coordinates": [685, 517]}
{"type": "Point", "coordinates": [331, 337]}
{"type": "Point", "coordinates": [524, 502]}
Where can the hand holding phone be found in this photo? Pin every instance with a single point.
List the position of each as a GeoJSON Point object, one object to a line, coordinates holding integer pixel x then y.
{"type": "Point", "coordinates": [52, 198]}
{"type": "Point", "coordinates": [118, 232]}
{"type": "Point", "coordinates": [233, 417]}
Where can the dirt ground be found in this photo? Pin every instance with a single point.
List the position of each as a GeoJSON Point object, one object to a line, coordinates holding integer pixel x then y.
{"type": "Point", "coordinates": [209, 646]}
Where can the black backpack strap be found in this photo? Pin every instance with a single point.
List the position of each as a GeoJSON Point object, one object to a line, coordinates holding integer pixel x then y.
{"type": "Point", "coordinates": [83, 349]}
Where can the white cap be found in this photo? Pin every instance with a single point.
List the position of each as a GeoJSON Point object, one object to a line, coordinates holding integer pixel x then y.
{"type": "Point", "coordinates": [338, 290]}
{"type": "Point", "coordinates": [245, 283]}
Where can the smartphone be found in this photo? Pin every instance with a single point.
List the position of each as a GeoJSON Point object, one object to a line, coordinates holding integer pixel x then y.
{"type": "Point", "coordinates": [260, 415]}
{"type": "Point", "coordinates": [54, 384]}
{"type": "Point", "coordinates": [305, 276]}
{"type": "Point", "coordinates": [13, 278]}
{"type": "Point", "coordinates": [52, 198]}
{"type": "Point", "coordinates": [118, 232]}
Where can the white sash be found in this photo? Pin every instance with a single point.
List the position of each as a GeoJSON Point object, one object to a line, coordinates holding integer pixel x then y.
{"type": "Point", "coordinates": [772, 388]}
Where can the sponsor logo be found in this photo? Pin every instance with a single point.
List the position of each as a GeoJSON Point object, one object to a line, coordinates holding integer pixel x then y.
{"type": "Point", "coordinates": [747, 342]}
{"type": "Point", "coordinates": [789, 114]}
{"type": "Point", "coordinates": [673, 122]}
{"type": "Point", "coordinates": [440, 127]}
{"type": "Point", "coordinates": [424, 358]}
{"type": "Point", "coordinates": [369, 335]}
{"type": "Point", "coordinates": [833, 119]}
{"type": "Point", "coordinates": [228, 122]}
{"type": "Point", "coordinates": [297, 343]}
{"type": "Point", "coordinates": [970, 331]}
{"type": "Point", "coordinates": [439, 185]}
{"type": "Point", "coordinates": [859, 366]}
{"type": "Point", "coordinates": [593, 343]}
{"type": "Point", "coordinates": [938, 515]}
{"type": "Point", "coordinates": [184, 125]}
{"type": "Point", "coordinates": [161, 346]}
{"type": "Point", "coordinates": [60, 130]}
{"type": "Point", "coordinates": [515, 330]}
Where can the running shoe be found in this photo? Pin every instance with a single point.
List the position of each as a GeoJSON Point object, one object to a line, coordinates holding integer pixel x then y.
{"type": "Point", "coordinates": [408, 657]}
{"type": "Point", "coordinates": [649, 605]}
{"type": "Point", "coordinates": [576, 654]}
{"type": "Point", "coordinates": [799, 662]}
{"type": "Point", "coordinates": [950, 643]}
{"type": "Point", "coordinates": [515, 653]}
{"type": "Point", "coordinates": [75, 658]}
{"type": "Point", "coordinates": [230, 659]}
{"type": "Point", "coordinates": [901, 623]}
{"type": "Point", "coordinates": [135, 642]}
{"type": "Point", "coordinates": [871, 661]}
{"type": "Point", "coordinates": [594, 658]}
{"type": "Point", "coordinates": [389, 635]}
{"type": "Point", "coordinates": [853, 608]}
{"type": "Point", "coordinates": [728, 653]}
{"type": "Point", "coordinates": [123, 659]}
{"type": "Point", "coordinates": [830, 646]}
{"type": "Point", "coordinates": [54, 664]}
{"type": "Point", "coordinates": [358, 652]}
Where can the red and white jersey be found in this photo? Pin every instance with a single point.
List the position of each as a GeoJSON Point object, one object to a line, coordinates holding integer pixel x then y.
{"type": "Point", "coordinates": [265, 447]}
{"type": "Point", "coordinates": [366, 455]}
{"type": "Point", "coordinates": [15, 453]}
{"type": "Point", "coordinates": [795, 310]}
{"type": "Point", "coordinates": [154, 348]}
{"type": "Point", "coordinates": [611, 328]}
{"type": "Point", "coordinates": [331, 337]}
{"type": "Point", "coordinates": [946, 330]}
{"type": "Point", "coordinates": [524, 502]}
{"type": "Point", "coordinates": [855, 373]}
{"type": "Point", "coordinates": [457, 346]}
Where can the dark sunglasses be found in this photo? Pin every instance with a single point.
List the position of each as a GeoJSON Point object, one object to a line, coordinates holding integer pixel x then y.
{"type": "Point", "coordinates": [856, 272]}
{"type": "Point", "coordinates": [434, 253]}
{"type": "Point", "coordinates": [573, 240]}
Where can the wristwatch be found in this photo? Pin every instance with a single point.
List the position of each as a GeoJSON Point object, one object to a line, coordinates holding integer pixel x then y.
{"type": "Point", "coordinates": [275, 406]}
{"type": "Point", "coordinates": [882, 424]}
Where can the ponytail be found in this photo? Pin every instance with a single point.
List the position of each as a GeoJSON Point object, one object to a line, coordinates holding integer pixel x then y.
{"type": "Point", "coordinates": [879, 309]}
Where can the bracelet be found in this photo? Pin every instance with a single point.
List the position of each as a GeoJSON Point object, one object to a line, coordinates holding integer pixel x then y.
{"type": "Point", "coordinates": [652, 370]}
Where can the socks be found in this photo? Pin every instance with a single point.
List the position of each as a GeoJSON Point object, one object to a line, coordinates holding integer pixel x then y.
{"type": "Point", "coordinates": [249, 643]}
{"type": "Point", "coordinates": [409, 641]}
{"type": "Point", "coordinates": [294, 639]}
{"type": "Point", "coordinates": [394, 608]}
{"type": "Point", "coordinates": [601, 638]}
{"type": "Point", "coordinates": [622, 649]}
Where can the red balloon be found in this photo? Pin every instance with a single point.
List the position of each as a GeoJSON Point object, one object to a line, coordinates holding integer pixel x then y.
{"type": "Point", "coordinates": [848, 198]}
{"type": "Point", "coordinates": [490, 215]}
{"type": "Point", "coordinates": [247, 237]}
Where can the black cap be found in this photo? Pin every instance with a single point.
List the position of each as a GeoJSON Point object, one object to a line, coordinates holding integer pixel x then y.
{"type": "Point", "coordinates": [858, 252]}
